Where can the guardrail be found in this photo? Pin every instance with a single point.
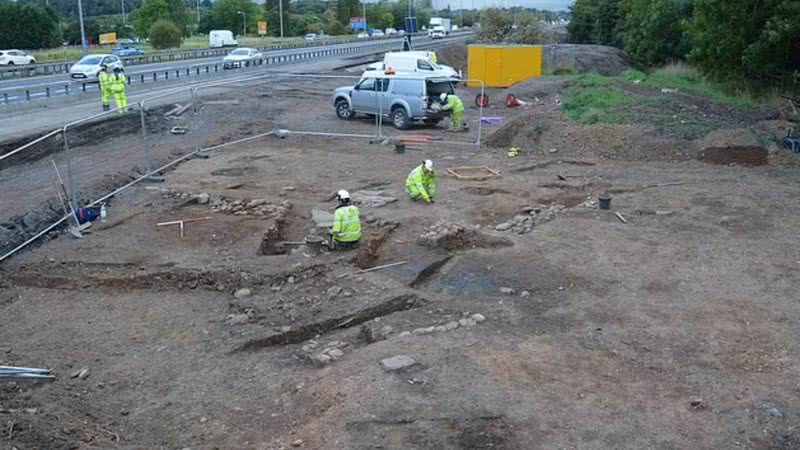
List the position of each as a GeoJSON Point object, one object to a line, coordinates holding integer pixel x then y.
{"type": "Point", "coordinates": [47, 90]}
{"type": "Point", "coordinates": [32, 70]}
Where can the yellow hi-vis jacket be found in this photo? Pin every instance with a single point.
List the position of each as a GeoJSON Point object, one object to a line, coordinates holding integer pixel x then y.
{"type": "Point", "coordinates": [453, 104]}
{"type": "Point", "coordinates": [346, 224]}
{"type": "Point", "coordinates": [117, 82]}
{"type": "Point", "coordinates": [421, 183]}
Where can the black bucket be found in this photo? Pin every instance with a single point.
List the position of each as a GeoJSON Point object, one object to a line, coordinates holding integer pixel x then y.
{"type": "Point", "coordinates": [604, 200]}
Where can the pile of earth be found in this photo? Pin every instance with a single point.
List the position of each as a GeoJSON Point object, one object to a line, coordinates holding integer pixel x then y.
{"type": "Point", "coordinates": [575, 58]}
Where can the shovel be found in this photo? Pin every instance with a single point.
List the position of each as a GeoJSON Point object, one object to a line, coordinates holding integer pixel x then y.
{"type": "Point", "coordinates": [76, 230]}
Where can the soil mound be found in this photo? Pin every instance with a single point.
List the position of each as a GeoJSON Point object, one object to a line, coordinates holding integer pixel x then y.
{"type": "Point", "coordinates": [602, 59]}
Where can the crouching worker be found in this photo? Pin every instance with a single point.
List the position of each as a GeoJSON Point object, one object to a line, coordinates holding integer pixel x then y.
{"type": "Point", "coordinates": [346, 231]}
{"type": "Point", "coordinates": [421, 182]}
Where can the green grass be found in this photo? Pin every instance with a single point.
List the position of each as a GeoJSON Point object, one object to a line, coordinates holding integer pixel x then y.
{"type": "Point", "coordinates": [73, 53]}
{"type": "Point", "coordinates": [593, 99]}
{"type": "Point", "coordinates": [686, 79]}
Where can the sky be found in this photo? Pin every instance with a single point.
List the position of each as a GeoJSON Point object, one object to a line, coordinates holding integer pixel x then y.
{"type": "Point", "coordinates": [553, 5]}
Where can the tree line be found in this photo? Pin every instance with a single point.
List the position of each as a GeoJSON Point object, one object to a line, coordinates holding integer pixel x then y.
{"type": "Point", "coordinates": [754, 40]}
{"type": "Point", "coordinates": [33, 24]}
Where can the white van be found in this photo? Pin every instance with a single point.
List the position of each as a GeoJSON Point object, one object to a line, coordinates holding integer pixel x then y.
{"type": "Point", "coordinates": [409, 62]}
{"type": "Point", "coordinates": [221, 38]}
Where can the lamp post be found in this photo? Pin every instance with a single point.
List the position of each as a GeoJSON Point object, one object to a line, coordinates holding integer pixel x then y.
{"type": "Point", "coordinates": [364, 3]}
{"type": "Point", "coordinates": [83, 32]}
{"type": "Point", "coordinates": [244, 23]}
{"type": "Point", "coordinates": [280, 12]}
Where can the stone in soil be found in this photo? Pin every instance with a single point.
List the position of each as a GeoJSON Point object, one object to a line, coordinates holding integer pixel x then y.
{"type": "Point", "coordinates": [334, 291]}
{"type": "Point", "coordinates": [242, 293]}
{"type": "Point", "coordinates": [398, 362]}
{"type": "Point", "coordinates": [322, 219]}
{"type": "Point", "coordinates": [203, 198]}
{"type": "Point", "coordinates": [507, 290]}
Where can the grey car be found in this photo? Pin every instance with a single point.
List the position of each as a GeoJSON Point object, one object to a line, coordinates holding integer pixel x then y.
{"type": "Point", "coordinates": [404, 99]}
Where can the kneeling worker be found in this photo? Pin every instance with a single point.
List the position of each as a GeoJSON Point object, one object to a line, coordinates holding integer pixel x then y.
{"type": "Point", "coordinates": [421, 182]}
{"type": "Point", "coordinates": [346, 230]}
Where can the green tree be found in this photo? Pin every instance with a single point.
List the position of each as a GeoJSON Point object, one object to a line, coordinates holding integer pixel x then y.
{"type": "Point", "coordinates": [655, 30]}
{"type": "Point", "coordinates": [225, 15]}
{"type": "Point", "coordinates": [755, 39]}
{"type": "Point", "coordinates": [387, 20]}
{"type": "Point", "coordinates": [596, 22]}
{"type": "Point", "coordinates": [152, 11]}
{"type": "Point", "coordinates": [28, 27]}
{"type": "Point", "coordinates": [272, 11]}
{"type": "Point", "coordinates": [165, 34]}
{"type": "Point", "coordinates": [581, 26]}
{"type": "Point", "coordinates": [496, 25]}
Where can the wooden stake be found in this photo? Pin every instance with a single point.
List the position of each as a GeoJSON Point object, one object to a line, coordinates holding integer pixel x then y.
{"type": "Point", "coordinates": [385, 266]}
{"type": "Point", "coordinates": [619, 216]}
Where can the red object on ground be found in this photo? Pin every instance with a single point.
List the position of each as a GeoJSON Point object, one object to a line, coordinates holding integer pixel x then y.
{"type": "Point", "coordinates": [481, 100]}
{"type": "Point", "coordinates": [511, 101]}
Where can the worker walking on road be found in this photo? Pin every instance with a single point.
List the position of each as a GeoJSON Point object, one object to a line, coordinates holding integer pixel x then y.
{"type": "Point", "coordinates": [346, 231]}
{"type": "Point", "coordinates": [453, 104]}
{"type": "Point", "coordinates": [105, 86]}
{"type": "Point", "coordinates": [118, 85]}
{"type": "Point", "coordinates": [421, 182]}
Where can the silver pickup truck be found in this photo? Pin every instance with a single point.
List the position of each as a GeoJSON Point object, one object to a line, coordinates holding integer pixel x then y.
{"type": "Point", "coordinates": [405, 99]}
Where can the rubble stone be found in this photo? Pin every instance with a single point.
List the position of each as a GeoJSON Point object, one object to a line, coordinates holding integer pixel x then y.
{"type": "Point", "coordinates": [398, 362]}
{"type": "Point", "coordinates": [242, 293]}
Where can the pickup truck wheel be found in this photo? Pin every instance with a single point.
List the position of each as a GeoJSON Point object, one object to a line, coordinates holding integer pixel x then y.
{"type": "Point", "coordinates": [400, 118]}
{"type": "Point", "coordinates": [343, 110]}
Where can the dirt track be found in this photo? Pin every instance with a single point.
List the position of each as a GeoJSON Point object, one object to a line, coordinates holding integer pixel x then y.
{"type": "Point", "coordinates": [676, 329]}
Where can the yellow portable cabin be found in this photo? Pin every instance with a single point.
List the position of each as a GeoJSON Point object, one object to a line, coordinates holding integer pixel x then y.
{"type": "Point", "coordinates": [503, 65]}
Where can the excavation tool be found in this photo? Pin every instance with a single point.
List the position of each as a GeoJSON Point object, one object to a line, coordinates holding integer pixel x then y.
{"type": "Point", "coordinates": [372, 269]}
{"type": "Point", "coordinates": [25, 373]}
{"type": "Point", "coordinates": [79, 227]}
{"type": "Point", "coordinates": [182, 222]}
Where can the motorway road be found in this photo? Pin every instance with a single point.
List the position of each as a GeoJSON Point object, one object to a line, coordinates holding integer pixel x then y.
{"type": "Point", "coordinates": [57, 81]}
{"type": "Point", "coordinates": [45, 115]}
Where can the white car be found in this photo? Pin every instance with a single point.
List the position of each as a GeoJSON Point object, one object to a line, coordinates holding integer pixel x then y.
{"type": "Point", "coordinates": [390, 31]}
{"type": "Point", "coordinates": [15, 57]}
{"type": "Point", "coordinates": [378, 33]}
{"type": "Point", "coordinates": [89, 66]}
{"type": "Point", "coordinates": [437, 34]}
{"type": "Point", "coordinates": [242, 57]}
{"type": "Point", "coordinates": [311, 37]}
{"type": "Point", "coordinates": [362, 35]}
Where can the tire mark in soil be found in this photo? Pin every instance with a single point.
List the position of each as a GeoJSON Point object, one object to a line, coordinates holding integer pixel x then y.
{"type": "Point", "coordinates": [305, 332]}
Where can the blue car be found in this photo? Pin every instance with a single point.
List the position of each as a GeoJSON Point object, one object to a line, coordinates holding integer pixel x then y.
{"type": "Point", "coordinates": [123, 52]}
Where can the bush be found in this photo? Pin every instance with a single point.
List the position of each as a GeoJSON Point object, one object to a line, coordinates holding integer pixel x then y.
{"type": "Point", "coordinates": [165, 34]}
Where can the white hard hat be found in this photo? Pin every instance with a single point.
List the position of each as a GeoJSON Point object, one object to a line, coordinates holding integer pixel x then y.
{"type": "Point", "coordinates": [342, 195]}
{"type": "Point", "coordinates": [428, 164]}
{"type": "Point", "coordinates": [443, 96]}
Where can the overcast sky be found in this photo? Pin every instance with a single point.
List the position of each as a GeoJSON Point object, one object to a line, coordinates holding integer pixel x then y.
{"type": "Point", "coordinates": [553, 5]}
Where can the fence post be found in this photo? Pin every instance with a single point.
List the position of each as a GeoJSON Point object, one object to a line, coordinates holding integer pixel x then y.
{"type": "Point", "coordinates": [196, 112]}
{"type": "Point", "coordinates": [70, 177]}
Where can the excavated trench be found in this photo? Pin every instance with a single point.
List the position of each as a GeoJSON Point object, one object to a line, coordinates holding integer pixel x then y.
{"type": "Point", "coordinates": [306, 332]}
{"type": "Point", "coordinates": [79, 276]}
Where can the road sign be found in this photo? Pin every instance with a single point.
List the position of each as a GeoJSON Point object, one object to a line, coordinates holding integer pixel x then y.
{"type": "Point", "coordinates": [358, 23]}
{"type": "Point", "coordinates": [411, 24]}
{"type": "Point", "coordinates": [262, 27]}
{"type": "Point", "coordinates": [108, 38]}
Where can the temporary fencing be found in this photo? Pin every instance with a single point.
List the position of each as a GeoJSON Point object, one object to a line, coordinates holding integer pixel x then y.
{"type": "Point", "coordinates": [104, 154]}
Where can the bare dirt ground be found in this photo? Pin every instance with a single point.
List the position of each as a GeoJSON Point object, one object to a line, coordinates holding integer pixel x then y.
{"type": "Point", "coordinates": [676, 329]}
